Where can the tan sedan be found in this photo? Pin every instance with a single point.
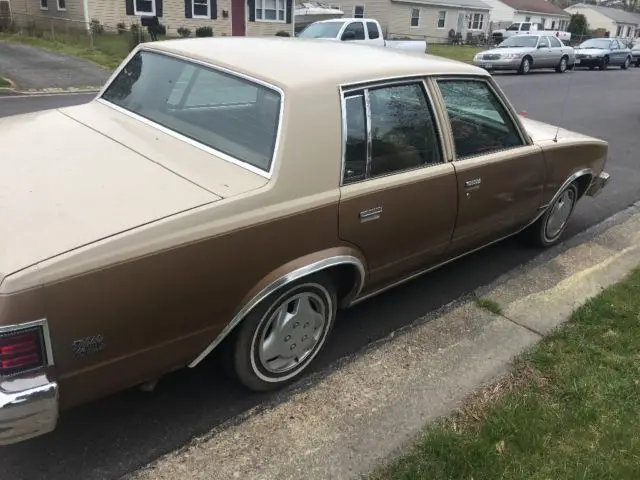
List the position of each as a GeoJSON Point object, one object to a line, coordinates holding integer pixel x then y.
{"type": "Point", "coordinates": [233, 193]}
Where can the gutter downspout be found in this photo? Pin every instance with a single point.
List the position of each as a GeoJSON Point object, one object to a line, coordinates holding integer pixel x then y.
{"type": "Point", "coordinates": [85, 6]}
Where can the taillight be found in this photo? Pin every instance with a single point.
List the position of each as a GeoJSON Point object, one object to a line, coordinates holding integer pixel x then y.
{"type": "Point", "coordinates": [21, 350]}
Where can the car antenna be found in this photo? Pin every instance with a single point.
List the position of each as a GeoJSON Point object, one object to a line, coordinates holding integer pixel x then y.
{"type": "Point", "coordinates": [566, 97]}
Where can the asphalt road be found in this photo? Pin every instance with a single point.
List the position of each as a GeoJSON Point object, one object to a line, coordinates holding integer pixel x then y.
{"type": "Point", "coordinates": [111, 437]}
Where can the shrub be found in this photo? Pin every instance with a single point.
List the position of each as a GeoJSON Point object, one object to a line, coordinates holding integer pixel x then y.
{"type": "Point", "coordinates": [96, 27]}
{"type": "Point", "coordinates": [204, 32]}
{"type": "Point", "coordinates": [157, 30]}
{"type": "Point", "coordinates": [184, 32]}
{"type": "Point", "coordinates": [282, 33]}
{"type": "Point", "coordinates": [136, 37]}
{"type": "Point", "coordinates": [122, 28]}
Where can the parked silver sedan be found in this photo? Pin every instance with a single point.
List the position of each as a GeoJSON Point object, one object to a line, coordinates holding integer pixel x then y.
{"type": "Point", "coordinates": [526, 52]}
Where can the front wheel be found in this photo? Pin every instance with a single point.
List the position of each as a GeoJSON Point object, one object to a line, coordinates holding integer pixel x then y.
{"type": "Point", "coordinates": [548, 229]}
{"type": "Point", "coordinates": [280, 338]}
{"type": "Point", "coordinates": [604, 64]}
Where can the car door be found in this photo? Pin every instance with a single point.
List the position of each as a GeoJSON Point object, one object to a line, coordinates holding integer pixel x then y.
{"type": "Point", "coordinates": [557, 50]}
{"type": "Point", "coordinates": [618, 53]}
{"type": "Point", "coordinates": [542, 54]}
{"type": "Point", "coordinates": [398, 195]}
{"type": "Point", "coordinates": [356, 28]}
{"type": "Point", "coordinates": [500, 173]}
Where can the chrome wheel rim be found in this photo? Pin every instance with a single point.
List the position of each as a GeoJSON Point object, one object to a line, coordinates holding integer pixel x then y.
{"type": "Point", "coordinates": [525, 66]}
{"type": "Point", "coordinates": [292, 332]}
{"type": "Point", "coordinates": [559, 215]}
{"type": "Point", "coordinates": [563, 65]}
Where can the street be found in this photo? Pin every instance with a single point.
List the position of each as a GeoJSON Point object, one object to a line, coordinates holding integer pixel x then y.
{"type": "Point", "coordinates": [117, 435]}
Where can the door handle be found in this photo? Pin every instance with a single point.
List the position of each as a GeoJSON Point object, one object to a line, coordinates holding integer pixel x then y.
{"type": "Point", "coordinates": [475, 183]}
{"type": "Point", "coordinates": [370, 214]}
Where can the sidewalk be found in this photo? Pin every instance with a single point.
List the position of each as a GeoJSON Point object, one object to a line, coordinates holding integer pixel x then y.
{"type": "Point", "coordinates": [33, 69]}
{"type": "Point", "coordinates": [370, 409]}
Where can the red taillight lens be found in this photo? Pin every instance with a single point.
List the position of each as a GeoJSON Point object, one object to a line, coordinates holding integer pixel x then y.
{"type": "Point", "coordinates": [21, 350]}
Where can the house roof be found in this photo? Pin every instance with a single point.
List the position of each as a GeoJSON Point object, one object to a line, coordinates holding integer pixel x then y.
{"type": "Point", "coordinates": [535, 6]}
{"type": "Point", "coordinates": [615, 14]}
{"type": "Point", "coordinates": [301, 63]}
{"type": "Point", "coordinates": [471, 4]}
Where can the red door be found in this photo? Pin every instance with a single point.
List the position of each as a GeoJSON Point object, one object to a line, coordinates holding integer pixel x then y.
{"type": "Point", "coordinates": [238, 18]}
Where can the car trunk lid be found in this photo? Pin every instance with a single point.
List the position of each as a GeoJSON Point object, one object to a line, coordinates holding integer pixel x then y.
{"type": "Point", "coordinates": [63, 186]}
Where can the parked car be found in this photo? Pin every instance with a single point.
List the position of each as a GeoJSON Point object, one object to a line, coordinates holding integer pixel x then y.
{"type": "Point", "coordinates": [358, 30]}
{"type": "Point", "coordinates": [602, 53]}
{"type": "Point", "coordinates": [635, 53]}
{"type": "Point", "coordinates": [229, 194]}
{"type": "Point", "coordinates": [528, 28]}
{"type": "Point", "coordinates": [526, 52]}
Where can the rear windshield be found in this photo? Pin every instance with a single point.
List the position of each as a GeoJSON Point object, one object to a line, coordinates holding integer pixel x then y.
{"type": "Point", "coordinates": [225, 112]}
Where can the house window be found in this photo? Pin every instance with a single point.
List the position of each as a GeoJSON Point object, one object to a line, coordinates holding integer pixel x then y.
{"type": "Point", "coordinates": [442, 18]}
{"type": "Point", "coordinates": [271, 10]}
{"type": "Point", "coordinates": [527, 19]}
{"type": "Point", "coordinates": [618, 31]}
{"type": "Point", "coordinates": [201, 9]}
{"type": "Point", "coordinates": [553, 25]}
{"type": "Point", "coordinates": [44, 5]}
{"type": "Point", "coordinates": [476, 21]}
{"type": "Point", "coordinates": [144, 7]}
{"type": "Point", "coordinates": [358, 11]}
{"type": "Point", "coordinates": [335, 6]}
{"type": "Point", "coordinates": [543, 22]}
{"type": "Point", "coordinates": [62, 4]}
{"type": "Point", "coordinates": [415, 17]}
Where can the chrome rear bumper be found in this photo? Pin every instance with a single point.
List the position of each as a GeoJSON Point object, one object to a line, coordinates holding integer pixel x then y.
{"type": "Point", "coordinates": [597, 184]}
{"type": "Point", "coordinates": [28, 407]}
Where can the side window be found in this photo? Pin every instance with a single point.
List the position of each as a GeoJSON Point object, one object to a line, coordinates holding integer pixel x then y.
{"type": "Point", "coordinates": [526, 27]}
{"type": "Point", "coordinates": [372, 30]}
{"type": "Point", "coordinates": [403, 134]}
{"type": "Point", "coordinates": [355, 155]}
{"type": "Point", "coordinates": [479, 122]}
{"type": "Point", "coordinates": [357, 28]}
{"type": "Point", "coordinates": [555, 43]}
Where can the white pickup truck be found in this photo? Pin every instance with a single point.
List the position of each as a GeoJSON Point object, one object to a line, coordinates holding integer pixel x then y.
{"type": "Point", "coordinates": [528, 28]}
{"type": "Point", "coordinates": [358, 30]}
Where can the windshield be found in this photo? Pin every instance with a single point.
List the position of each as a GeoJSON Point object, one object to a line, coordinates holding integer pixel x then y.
{"type": "Point", "coordinates": [596, 43]}
{"type": "Point", "coordinates": [322, 30]}
{"type": "Point", "coordinates": [230, 114]}
{"type": "Point", "coordinates": [520, 41]}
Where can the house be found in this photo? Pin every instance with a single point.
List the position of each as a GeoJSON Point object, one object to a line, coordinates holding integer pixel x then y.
{"type": "Point", "coordinates": [225, 17]}
{"type": "Point", "coordinates": [506, 12]}
{"type": "Point", "coordinates": [430, 19]}
{"type": "Point", "coordinates": [617, 23]}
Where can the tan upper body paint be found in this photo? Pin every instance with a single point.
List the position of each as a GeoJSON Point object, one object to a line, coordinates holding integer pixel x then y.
{"type": "Point", "coordinates": [114, 226]}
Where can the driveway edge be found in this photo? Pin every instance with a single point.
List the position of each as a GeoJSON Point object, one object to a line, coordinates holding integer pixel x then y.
{"type": "Point", "coordinates": [374, 405]}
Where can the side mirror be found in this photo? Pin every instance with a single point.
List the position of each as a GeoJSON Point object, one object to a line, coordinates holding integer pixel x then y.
{"type": "Point", "coordinates": [348, 36]}
{"type": "Point", "coordinates": [541, 46]}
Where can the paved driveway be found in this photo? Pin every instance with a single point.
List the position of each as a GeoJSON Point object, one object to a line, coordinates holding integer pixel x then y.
{"type": "Point", "coordinates": [108, 438]}
{"type": "Point", "coordinates": [32, 68]}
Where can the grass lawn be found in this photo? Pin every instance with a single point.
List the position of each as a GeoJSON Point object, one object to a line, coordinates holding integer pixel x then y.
{"type": "Point", "coordinates": [108, 50]}
{"type": "Point", "coordinates": [570, 409]}
{"type": "Point", "coordinates": [4, 83]}
{"type": "Point", "coordinates": [462, 53]}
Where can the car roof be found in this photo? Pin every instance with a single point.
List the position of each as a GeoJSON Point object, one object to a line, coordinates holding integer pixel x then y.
{"type": "Point", "coordinates": [292, 63]}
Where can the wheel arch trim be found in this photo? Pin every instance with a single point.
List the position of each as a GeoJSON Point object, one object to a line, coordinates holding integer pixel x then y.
{"type": "Point", "coordinates": [572, 178]}
{"type": "Point", "coordinates": [283, 280]}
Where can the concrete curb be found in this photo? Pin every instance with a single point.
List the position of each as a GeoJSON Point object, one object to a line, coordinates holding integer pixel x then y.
{"type": "Point", "coordinates": [374, 406]}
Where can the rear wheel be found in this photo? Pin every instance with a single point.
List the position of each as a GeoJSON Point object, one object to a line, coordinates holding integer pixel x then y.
{"type": "Point", "coordinates": [626, 63]}
{"type": "Point", "coordinates": [548, 229]}
{"type": "Point", "coordinates": [280, 338]}
{"type": "Point", "coordinates": [562, 66]}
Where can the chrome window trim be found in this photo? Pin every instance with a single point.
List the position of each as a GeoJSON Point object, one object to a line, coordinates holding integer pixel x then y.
{"type": "Point", "coordinates": [346, 89]}
{"type": "Point", "coordinates": [46, 335]}
{"type": "Point", "coordinates": [236, 161]}
{"type": "Point", "coordinates": [279, 283]}
{"type": "Point", "coordinates": [502, 99]}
